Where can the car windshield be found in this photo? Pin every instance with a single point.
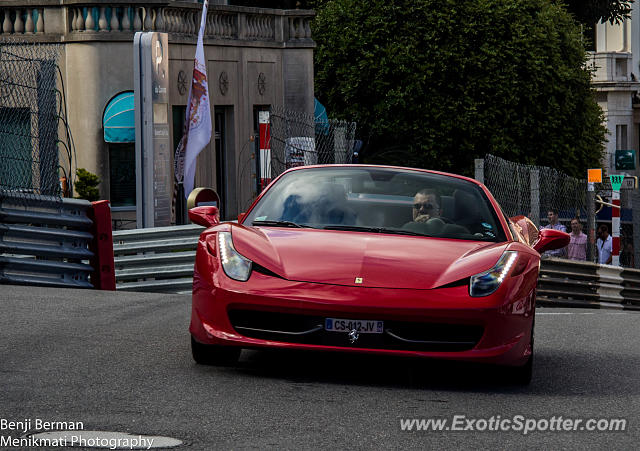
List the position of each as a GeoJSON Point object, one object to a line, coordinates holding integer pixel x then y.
{"type": "Point", "coordinates": [382, 200]}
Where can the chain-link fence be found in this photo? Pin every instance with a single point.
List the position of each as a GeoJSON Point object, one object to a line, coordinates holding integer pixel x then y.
{"type": "Point", "coordinates": [298, 140]}
{"type": "Point", "coordinates": [30, 114]}
{"type": "Point", "coordinates": [295, 139]}
{"type": "Point", "coordinates": [534, 190]}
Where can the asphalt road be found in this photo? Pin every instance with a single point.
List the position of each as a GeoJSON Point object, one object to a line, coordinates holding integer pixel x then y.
{"type": "Point", "coordinates": [121, 362]}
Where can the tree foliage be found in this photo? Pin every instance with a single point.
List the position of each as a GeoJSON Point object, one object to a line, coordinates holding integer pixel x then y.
{"type": "Point", "coordinates": [436, 84]}
{"type": "Point", "coordinates": [589, 12]}
{"type": "Point", "coordinates": [87, 185]}
{"type": "Point", "coordinates": [279, 4]}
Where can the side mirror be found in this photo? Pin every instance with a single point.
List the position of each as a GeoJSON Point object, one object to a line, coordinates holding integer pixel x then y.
{"type": "Point", "coordinates": [205, 216]}
{"type": "Point", "coordinates": [550, 239]}
{"type": "Point", "coordinates": [241, 216]}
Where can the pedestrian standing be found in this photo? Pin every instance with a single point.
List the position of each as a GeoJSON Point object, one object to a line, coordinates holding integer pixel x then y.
{"type": "Point", "coordinates": [552, 215]}
{"type": "Point", "coordinates": [577, 249]}
{"type": "Point", "coordinates": [604, 244]}
{"type": "Point", "coordinates": [627, 258]}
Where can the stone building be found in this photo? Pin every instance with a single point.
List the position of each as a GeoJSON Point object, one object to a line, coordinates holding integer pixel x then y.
{"type": "Point", "coordinates": [616, 79]}
{"type": "Point", "coordinates": [256, 58]}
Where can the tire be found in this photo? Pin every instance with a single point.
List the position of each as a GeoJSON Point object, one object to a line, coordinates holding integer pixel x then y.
{"type": "Point", "coordinates": [214, 354]}
{"type": "Point", "coordinates": [521, 375]}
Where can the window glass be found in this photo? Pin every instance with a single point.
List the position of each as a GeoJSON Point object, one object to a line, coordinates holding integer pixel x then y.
{"type": "Point", "coordinates": [382, 198]}
{"type": "Point", "coordinates": [122, 173]}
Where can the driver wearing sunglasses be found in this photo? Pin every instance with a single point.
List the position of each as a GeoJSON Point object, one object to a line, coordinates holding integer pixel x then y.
{"type": "Point", "coordinates": [426, 205]}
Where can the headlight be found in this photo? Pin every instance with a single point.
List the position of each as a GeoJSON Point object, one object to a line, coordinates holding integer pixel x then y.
{"type": "Point", "coordinates": [487, 282]}
{"type": "Point", "coordinates": [235, 265]}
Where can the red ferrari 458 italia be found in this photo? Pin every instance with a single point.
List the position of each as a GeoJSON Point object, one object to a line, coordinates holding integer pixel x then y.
{"type": "Point", "coordinates": [370, 259]}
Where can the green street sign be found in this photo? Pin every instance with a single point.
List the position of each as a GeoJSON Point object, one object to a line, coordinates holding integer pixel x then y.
{"type": "Point", "coordinates": [625, 160]}
{"type": "Point", "coordinates": [616, 181]}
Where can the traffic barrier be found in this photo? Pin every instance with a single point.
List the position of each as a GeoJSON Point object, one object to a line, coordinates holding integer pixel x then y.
{"type": "Point", "coordinates": [631, 286]}
{"type": "Point", "coordinates": [570, 283]}
{"type": "Point", "coordinates": [44, 241]}
{"type": "Point", "coordinates": [157, 259]}
{"type": "Point", "coordinates": [103, 275]}
{"type": "Point", "coordinates": [161, 260]}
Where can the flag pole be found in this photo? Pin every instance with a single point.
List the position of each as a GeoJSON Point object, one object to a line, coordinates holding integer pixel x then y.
{"type": "Point", "coordinates": [196, 132]}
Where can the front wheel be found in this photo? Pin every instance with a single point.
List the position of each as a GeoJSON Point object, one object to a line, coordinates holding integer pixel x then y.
{"type": "Point", "coordinates": [521, 375]}
{"type": "Point", "coordinates": [214, 354]}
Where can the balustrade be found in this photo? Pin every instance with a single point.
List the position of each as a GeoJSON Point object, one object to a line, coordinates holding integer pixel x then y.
{"type": "Point", "coordinates": [21, 20]}
{"type": "Point", "coordinates": [260, 27]}
{"type": "Point", "coordinates": [112, 19]}
{"type": "Point", "coordinates": [299, 27]}
{"type": "Point", "coordinates": [222, 22]}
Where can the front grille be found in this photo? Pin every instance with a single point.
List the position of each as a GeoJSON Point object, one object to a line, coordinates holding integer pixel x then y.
{"type": "Point", "coordinates": [398, 335]}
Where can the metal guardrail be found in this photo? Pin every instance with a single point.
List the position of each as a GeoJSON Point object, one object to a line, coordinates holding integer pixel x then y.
{"type": "Point", "coordinates": [161, 260]}
{"type": "Point", "coordinates": [569, 283]}
{"type": "Point", "coordinates": [45, 241]}
{"type": "Point", "coordinates": [156, 260]}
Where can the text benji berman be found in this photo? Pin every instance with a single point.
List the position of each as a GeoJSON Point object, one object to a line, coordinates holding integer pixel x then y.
{"type": "Point", "coordinates": [39, 424]}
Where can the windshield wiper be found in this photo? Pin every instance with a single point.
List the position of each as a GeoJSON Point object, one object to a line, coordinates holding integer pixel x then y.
{"type": "Point", "coordinates": [372, 229]}
{"type": "Point", "coordinates": [278, 224]}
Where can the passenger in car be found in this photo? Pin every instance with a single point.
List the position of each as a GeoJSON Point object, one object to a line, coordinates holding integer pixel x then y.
{"type": "Point", "coordinates": [327, 206]}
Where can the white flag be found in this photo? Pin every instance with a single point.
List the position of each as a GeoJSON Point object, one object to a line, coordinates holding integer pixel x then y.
{"type": "Point", "coordinates": [197, 130]}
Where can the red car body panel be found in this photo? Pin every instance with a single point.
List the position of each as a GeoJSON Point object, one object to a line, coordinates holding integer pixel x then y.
{"type": "Point", "coordinates": [339, 257]}
{"type": "Point", "coordinates": [404, 278]}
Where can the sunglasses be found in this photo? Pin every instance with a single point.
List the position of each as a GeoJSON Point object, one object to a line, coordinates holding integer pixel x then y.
{"type": "Point", "coordinates": [426, 206]}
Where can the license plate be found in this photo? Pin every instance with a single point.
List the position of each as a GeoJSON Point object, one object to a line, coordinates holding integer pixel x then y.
{"type": "Point", "coordinates": [347, 325]}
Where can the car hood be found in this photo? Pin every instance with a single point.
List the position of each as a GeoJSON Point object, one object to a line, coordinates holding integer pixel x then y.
{"type": "Point", "coordinates": [364, 259]}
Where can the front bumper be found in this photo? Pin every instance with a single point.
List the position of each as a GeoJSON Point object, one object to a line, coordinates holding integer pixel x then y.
{"type": "Point", "coordinates": [495, 329]}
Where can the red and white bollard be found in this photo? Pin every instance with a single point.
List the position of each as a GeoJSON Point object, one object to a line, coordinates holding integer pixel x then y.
{"type": "Point", "coordinates": [265, 149]}
{"type": "Point", "coordinates": [615, 228]}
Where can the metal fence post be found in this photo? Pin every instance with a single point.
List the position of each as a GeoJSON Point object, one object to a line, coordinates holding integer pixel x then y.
{"type": "Point", "coordinates": [479, 172]}
{"type": "Point", "coordinates": [591, 224]}
{"type": "Point", "coordinates": [47, 129]}
{"type": "Point", "coordinates": [615, 227]}
{"type": "Point", "coordinates": [535, 196]}
{"type": "Point", "coordinates": [636, 226]}
{"type": "Point", "coordinates": [340, 148]}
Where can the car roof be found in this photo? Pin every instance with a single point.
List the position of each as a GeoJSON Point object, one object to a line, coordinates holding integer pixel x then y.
{"type": "Point", "coordinates": [378, 166]}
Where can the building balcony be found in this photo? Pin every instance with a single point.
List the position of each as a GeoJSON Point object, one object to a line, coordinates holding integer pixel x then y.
{"type": "Point", "coordinates": [65, 21]}
{"type": "Point", "coordinates": [612, 70]}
